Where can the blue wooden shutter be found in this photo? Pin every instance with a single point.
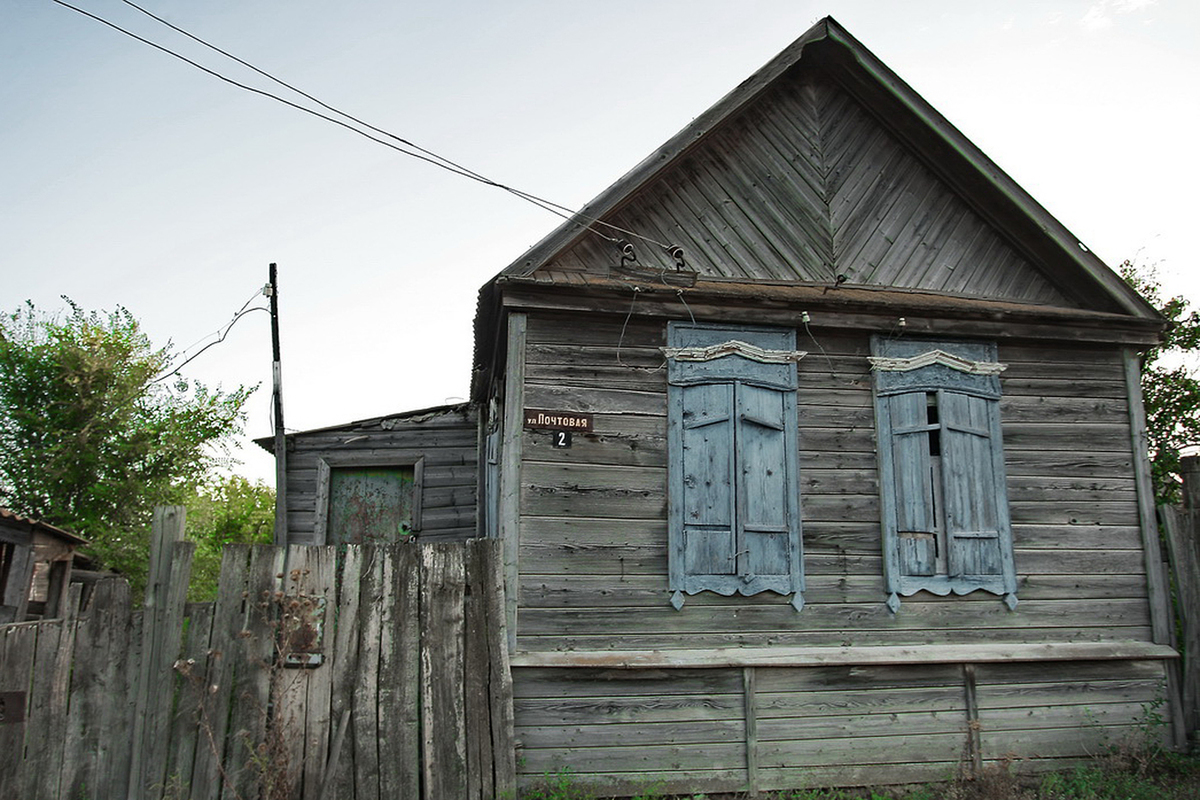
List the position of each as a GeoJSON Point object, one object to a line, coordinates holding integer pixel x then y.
{"type": "Point", "coordinates": [973, 523]}
{"type": "Point", "coordinates": [764, 504]}
{"type": "Point", "coordinates": [913, 479]}
{"type": "Point", "coordinates": [734, 518]}
{"type": "Point", "coordinates": [707, 480]}
{"type": "Point", "coordinates": [951, 496]}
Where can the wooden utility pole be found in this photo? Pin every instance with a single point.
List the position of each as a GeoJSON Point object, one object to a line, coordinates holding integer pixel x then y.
{"type": "Point", "coordinates": [277, 397]}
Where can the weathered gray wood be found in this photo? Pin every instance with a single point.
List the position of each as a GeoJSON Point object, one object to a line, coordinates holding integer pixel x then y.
{"type": "Point", "coordinates": [47, 710]}
{"type": "Point", "coordinates": [316, 584]}
{"type": "Point", "coordinates": [17, 647]}
{"type": "Point", "coordinates": [500, 683]}
{"type": "Point", "coordinates": [508, 508]}
{"type": "Point", "coordinates": [400, 676]}
{"type": "Point", "coordinates": [442, 708]}
{"type": "Point", "coordinates": [208, 774]}
{"type": "Point", "coordinates": [1159, 598]}
{"type": "Point", "coordinates": [750, 730]}
{"type": "Point", "coordinates": [897, 655]}
{"type": "Point", "coordinates": [1180, 533]}
{"type": "Point", "coordinates": [153, 697]}
{"type": "Point", "coordinates": [167, 640]}
{"type": "Point", "coordinates": [344, 661]}
{"type": "Point", "coordinates": [372, 604]}
{"type": "Point", "coordinates": [185, 731]}
{"type": "Point", "coordinates": [99, 703]}
{"type": "Point", "coordinates": [477, 711]}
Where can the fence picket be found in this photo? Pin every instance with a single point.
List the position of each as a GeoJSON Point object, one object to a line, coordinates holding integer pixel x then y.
{"type": "Point", "coordinates": [442, 720]}
{"type": "Point", "coordinates": [399, 676]}
{"type": "Point", "coordinates": [17, 646]}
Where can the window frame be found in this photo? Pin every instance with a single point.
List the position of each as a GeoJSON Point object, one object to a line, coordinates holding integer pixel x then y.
{"type": "Point", "coordinates": [902, 368]}
{"type": "Point", "coordinates": [751, 361]}
{"type": "Point", "coordinates": [331, 461]}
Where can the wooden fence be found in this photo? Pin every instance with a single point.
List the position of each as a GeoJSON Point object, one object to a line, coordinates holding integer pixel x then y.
{"type": "Point", "coordinates": [318, 673]}
{"type": "Point", "coordinates": [1181, 532]}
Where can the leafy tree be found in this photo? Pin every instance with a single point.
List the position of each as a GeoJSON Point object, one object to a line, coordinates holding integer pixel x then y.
{"type": "Point", "coordinates": [223, 511]}
{"type": "Point", "coordinates": [91, 438]}
{"type": "Point", "coordinates": [1170, 386]}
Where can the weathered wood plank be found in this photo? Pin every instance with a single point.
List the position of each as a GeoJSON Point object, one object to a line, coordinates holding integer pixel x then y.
{"type": "Point", "coordinates": [191, 691]}
{"type": "Point", "coordinates": [207, 773]}
{"type": "Point", "coordinates": [668, 642]}
{"type": "Point", "coordinates": [594, 491]}
{"type": "Point", "coordinates": [317, 583]}
{"type": "Point", "coordinates": [99, 703]}
{"type": "Point", "coordinates": [153, 695]}
{"type": "Point", "coordinates": [618, 760]}
{"type": "Point", "coordinates": [47, 709]}
{"type": "Point", "coordinates": [254, 755]}
{"type": "Point", "coordinates": [377, 582]}
{"type": "Point", "coordinates": [500, 683]}
{"type": "Point", "coordinates": [508, 504]}
{"type": "Point", "coordinates": [442, 721]}
{"type": "Point", "coordinates": [18, 644]}
{"type": "Point", "coordinates": [400, 678]}
{"type": "Point", "coordinates": [344, 664]}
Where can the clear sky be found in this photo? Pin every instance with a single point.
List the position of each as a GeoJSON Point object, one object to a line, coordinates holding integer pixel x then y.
{"type": "Point", "coordinates": [127, 177]}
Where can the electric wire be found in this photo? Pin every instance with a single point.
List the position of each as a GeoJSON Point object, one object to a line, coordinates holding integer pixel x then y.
{"type": "Point", "coordinates": [220, 334]}
{"type": "Point", "coordinates": [428, 156]}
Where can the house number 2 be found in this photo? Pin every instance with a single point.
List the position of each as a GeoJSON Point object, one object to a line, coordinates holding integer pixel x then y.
{"type": "Point", "coordinates": [561, 438]}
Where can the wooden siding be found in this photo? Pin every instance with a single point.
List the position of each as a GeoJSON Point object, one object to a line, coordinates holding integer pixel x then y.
{"type": "Point", "coordinates": [764, 728]}
{"type": "Point", "coordinates": [593, 542]}
{"type": "Point", "coordinates": [447, 443]}
{"type": "Point", "coordinates": [807, 185]}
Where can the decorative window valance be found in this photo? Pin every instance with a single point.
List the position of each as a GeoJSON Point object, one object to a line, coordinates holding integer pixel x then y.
{"type": "Point", "coordinates": [909, 365]}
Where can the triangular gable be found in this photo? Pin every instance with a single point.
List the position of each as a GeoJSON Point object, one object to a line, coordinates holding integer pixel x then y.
{"type": "Point", "coordinates": [824, 167]}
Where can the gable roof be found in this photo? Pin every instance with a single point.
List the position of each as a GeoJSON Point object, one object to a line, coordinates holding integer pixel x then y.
{"type": "Point", "coordinates": [1040, 260]}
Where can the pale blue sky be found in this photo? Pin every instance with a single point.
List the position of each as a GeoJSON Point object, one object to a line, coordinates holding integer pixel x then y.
{"type": "Point", "coordinates": [128, 177]}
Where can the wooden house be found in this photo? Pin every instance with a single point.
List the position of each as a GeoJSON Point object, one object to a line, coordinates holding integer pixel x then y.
{"type": "Point", "coordinates": [816, 447]}
{"type": "Point", "coordinates": [35, 567]}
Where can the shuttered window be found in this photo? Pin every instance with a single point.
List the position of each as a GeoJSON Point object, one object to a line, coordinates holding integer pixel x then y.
{"type": "Point", "coordinates": [941, 462]}
{"type": "Point", "coordinates": [734, 503]}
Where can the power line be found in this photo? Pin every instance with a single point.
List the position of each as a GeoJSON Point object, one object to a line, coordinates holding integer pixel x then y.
{"type": "Point", "coordinates": [416, 151]}
{"type": "Point", "coordinates": [220, 334]}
